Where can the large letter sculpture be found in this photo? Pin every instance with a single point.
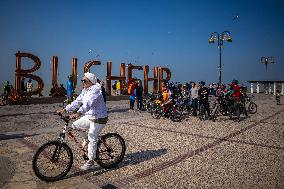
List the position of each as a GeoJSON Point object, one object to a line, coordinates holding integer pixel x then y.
{"type": "Point", "coordinates": [74, 72]}
{"type": "Point", "coordinates": [161, 79]}
{"type": "Point", "coordinates": [19, 73]}
{"type": "Point", "coordinates": [89, 64]}
{"type": "Point", "coordinates": [147, 79]}
{"type": "Point", "coordinates": [54, 75]}
{"type": "Point", "coordinates": [129, 70]}
{"type": "Point", "coordinates": [109, 77]}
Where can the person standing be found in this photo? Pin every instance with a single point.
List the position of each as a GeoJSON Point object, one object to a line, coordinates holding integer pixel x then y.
{"type": "Point", "coordinates": [236, 90]}
{"type": "Point", "coordinates": [23, 85]}
{"type": "Point", "coordinates": [118, 88]}
{"type": "Point", "coordinates": [70, 89]}
{"type": "Point", "coordinates": [203, 97]}
{"type": "Point", "coordinates": [131, 93]}
{"type": "Point", "coordinates": [114, 88]}
{"type": "Point", "coordinates": [103, 91]}
{"type": "Point", "coordinates": [7, 88]}
{"type": "Point", "coordinates": [194, 98]}
{"type": "Point", "coordinates": [139, 95]}
{"type": "Point", "coordinates": [29, 86]}
{"type": "Point", "coordinates": [277, 97]}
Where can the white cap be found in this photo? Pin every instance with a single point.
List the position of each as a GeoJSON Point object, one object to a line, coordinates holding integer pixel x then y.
{"type": "Point", "coordinates": [92, 77]}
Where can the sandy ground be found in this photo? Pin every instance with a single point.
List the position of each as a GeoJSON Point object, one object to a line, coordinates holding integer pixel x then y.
{"type": "Point", "coordinates": [160, 153]}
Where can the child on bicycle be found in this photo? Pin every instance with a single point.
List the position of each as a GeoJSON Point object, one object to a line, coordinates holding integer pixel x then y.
{"type": "Point", "coordinates": [94, 114]}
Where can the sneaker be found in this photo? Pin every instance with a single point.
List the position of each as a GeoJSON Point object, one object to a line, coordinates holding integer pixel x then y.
{"type": "Point", "coordinates": [88, 165]}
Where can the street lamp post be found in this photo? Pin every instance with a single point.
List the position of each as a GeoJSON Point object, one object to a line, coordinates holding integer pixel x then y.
{"type": "Point", "coordinates": [220, 38]}
{"type": "Point", "coordinates": [267, 60]}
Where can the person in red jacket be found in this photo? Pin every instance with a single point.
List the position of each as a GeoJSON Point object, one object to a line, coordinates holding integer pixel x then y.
{"type": "Point", "coordinates": [131, 93]}
{"type": "Point", "coordinates": [237, 90]}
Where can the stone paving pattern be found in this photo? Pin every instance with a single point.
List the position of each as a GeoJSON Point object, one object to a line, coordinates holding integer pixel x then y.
{"type": "Point", "coordinates": [160, 153]}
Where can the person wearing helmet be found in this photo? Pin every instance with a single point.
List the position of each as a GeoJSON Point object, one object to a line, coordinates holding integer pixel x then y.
{"type": "Point", "coordinates": [69, 88]}
{"type": "Point", "coordinates": [203, 94]}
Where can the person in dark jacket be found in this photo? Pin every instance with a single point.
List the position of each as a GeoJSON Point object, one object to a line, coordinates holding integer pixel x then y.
{"type": "Point", "coordinates": [103, 89]}
{"type": "Point", "coordinates": [139, 95]}
{"type": "Point", "coordinates": [23, 85]}
{"type": "Point", "coordinates": [203, 94]}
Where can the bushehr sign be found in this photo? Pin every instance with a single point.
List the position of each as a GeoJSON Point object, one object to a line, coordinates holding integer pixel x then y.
{"type": "Point", "coordinates": [20, 73]}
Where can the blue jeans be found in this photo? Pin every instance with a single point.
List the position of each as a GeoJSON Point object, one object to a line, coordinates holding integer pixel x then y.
{"type": "Point", "coordinates": [194, 105]}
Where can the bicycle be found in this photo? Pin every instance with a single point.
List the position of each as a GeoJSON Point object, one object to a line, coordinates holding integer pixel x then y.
{"type": "Point", "coordinates": [227, 106]}
{"type": "Point", "coordinates": [4, 98]}
{"type": "Point", "coordinates": [251, 106]}
{"type": "Point", "coordinates": [53, 160]}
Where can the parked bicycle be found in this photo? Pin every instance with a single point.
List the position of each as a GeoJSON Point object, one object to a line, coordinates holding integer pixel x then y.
{"type": "Point", "coordinates": [14, 97]}
{"type": "Point", "coordinates": [53, 160]}
{"type": "Point", "coordinates": [4, 98]}
{"type": "Point", "coordinates": [250, 105]}
{"type": "Point", "coordinates": [227, 106]}
{"type": "Point", "coordinates": [170, 109]}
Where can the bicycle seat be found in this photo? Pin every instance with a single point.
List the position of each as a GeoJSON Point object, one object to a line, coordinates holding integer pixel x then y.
{"type": "Point", "coordinates": [93, 119]}
{"type": "Point", "coordinates": [99, 120]}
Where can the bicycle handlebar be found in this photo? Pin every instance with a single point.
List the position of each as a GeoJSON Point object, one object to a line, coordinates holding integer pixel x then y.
{"type": "Point", "coordinates": [65, 118]}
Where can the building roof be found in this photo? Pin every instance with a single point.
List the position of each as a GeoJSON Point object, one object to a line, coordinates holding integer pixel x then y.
{"type": "Point", "coordinates": [266, 81]}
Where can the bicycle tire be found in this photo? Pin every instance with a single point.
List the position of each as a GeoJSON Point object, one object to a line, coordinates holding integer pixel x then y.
{"type": "Point", "coordinates": [238, 113]}
{"type": "Point", "coordinates": [175, 114]}
{"type": "Point", "coordinates": [156, 111]}
{"type": "Point", "coordinates": [3, 100]}
{"type": "Point", "coordinates": [55, 159]}
{"type": "Point", "coordinates": [108, 150]}
{"type": "Point", "coordinates": [215, 112]}
{"type": "Point", "coordinates": [202, 112]}
{"type": "Point", "coordinates": [252, 108]}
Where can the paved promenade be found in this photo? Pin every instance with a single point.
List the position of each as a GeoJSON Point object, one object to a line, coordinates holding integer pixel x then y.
{"type": "Point", "coordinates": [160, 153]}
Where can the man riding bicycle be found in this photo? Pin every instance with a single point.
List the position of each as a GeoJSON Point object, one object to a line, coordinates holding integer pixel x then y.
{"type": "Point", "coordinates": [94, 114]}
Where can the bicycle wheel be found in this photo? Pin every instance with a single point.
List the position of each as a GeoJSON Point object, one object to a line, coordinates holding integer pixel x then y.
{"type": "Point", "coordinates": [4, 99]}
{"type": "Point", "coordinates": [156, 111]}
{"type": "Point", "coordinates": [110, 150]}
{"type": "Point", "coordinates": [215, 112]}
{"type": "Point", "coordinates": [52, 161]}
{"type": "Point", "coordinates": [202, 112]}
{"type": "Point", "coordinates": [252, 108]}
{"type": "Point", "coordinates": [175, 114]}
{"type": "Point", "coordinates": [238, 113]}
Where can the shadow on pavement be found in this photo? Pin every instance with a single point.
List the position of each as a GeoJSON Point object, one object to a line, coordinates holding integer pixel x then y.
{"type": "Point", "coordinates": [129, 159]}
{"type": "Point", "coordinates": [14, 136]}
{"type": "Point", "coordinates": [7, 170]}
{"type": "Point", "coordinates": [118, 110]}
{"type": "Point", "coordinates": [23, 114]}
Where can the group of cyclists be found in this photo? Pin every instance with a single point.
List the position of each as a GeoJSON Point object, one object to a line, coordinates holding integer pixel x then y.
{"type": "Point", "coordinates": [193, 98]}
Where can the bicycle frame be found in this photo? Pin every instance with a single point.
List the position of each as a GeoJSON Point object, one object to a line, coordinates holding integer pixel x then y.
{"type": "Point", "coordinates": [71, 135]}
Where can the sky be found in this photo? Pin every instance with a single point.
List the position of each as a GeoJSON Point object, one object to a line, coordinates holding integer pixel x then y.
{"type": "Point", "coordinates": [167, 33]}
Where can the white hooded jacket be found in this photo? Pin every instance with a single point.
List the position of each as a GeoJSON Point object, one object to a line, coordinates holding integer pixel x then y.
{"type": "Point", "coordinates": [90, 102]}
